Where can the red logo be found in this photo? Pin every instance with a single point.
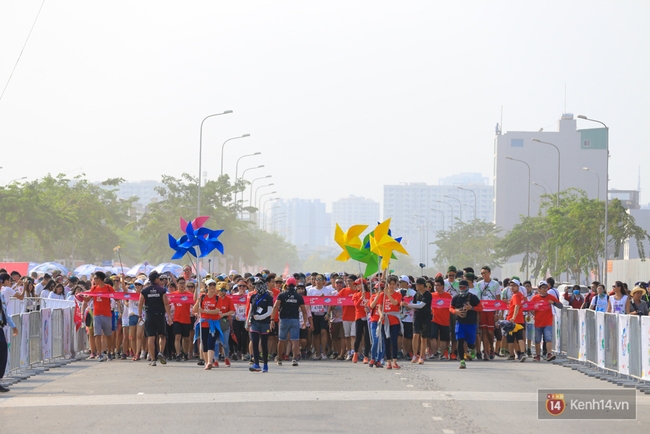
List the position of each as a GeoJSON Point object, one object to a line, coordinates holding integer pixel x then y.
{"type": "Point", "coordinates": [555, 404]}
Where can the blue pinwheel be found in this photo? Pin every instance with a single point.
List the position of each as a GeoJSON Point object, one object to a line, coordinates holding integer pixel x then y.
{"type": "Point", "coordinates": [204, 238]}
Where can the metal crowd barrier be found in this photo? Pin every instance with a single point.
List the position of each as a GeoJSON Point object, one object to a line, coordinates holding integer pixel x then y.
{"type": "Point", "coordinates": [44, 336]}
{"type": "Point", "coordinates": [610, 341]}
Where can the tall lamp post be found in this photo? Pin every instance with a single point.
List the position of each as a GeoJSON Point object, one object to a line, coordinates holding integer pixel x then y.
{"type": "Point", "coordinates": [606, 190]}
{"type": "Point", "coordinates": [451, 208]}
{"type": "Point", "coordinates": [250, 199]}
{"type": "Point", "coordinates": [475, 201]}
{"type": "Point", "coordinates": [198, 206]}
{"type": "Point", "coordinates": [224, 145]}
{"type": "Point", "coordinates": [460, 206]}
{"type": "Point", "coordinates": [527, 246]}
{"type": "Point", "coordinates": [264, 211]}
{"type": "Point", "coordinates": [541, 186]}
{"type": "Point", "coordinates": [443, 216]}
{"type": "Point", "coordinates": [586, 169]}
{"type": "Point", "coordinates": [558, 168]}
{"type": "Point", "coordinates": [237, 171]}
{"type": "Point", "coordinates": [266, 194]}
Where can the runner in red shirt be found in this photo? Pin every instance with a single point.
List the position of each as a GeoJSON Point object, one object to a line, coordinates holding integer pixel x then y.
{"type": "Point", "coordinates": [348, 319]}
{"type": "Point", "coordinates": [391, 300]}
{"type": "Point", "coordinates": [227, 308]}
{"type": "Point", "coordinates": [102, 315]}
{"type": "Point", "coordinates": [516, 315]}
{"type": "Point", "coordinates": [361, 300]}
{"type": "Point", "coordinates": [544, 320]}
{"type": "Point", "coordinates": [440, 333]}
{"type": "Point", "coordinates": [182, 326]}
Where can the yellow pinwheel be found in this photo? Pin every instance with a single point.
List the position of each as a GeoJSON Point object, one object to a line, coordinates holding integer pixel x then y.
{"type": "Point", "coordinates": [383, 244]}
{"type": "Point", "coordinates": [349, 238]}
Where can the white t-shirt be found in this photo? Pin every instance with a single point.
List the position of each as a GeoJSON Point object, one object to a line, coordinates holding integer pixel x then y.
{"type": "Point", "coordinates": [45, 293]}
{"type": "Point", "coordinates": [489, 290]}
{"type": "Point", "coordinates": [618, 306]}
{"type": "Point", "coordinates": [315, 292]}
{"type": "Point", "coordinates": [475, 291]}
{"type": "Point", "coordinates": [405, 313]}
{"type": "Point", "coordinates": [56, 296]}
{"type": "Point", "coordinates": [39, 288]}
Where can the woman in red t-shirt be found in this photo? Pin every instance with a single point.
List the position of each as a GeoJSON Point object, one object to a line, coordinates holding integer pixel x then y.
{"type": "Point", "coordinates": [361, 300]}
{"type": "Point", "coordinates": [207, 307]}
{"type": "Point", "coordinates": [389, 311]}
{"type": "Point", "coordinates": [377, 351]}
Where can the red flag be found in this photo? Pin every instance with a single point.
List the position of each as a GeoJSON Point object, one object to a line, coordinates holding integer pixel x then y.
{"type": "Point", "coordinates": [77, 317]}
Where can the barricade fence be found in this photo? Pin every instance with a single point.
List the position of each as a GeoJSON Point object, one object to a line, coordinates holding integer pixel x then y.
{"type": "Point", "coordinates": [619, 343]}
{"type": "Point", "coordinates": [44, 336]}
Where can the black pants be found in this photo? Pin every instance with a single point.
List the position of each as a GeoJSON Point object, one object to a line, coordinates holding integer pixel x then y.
{"type": "Point", "coordinates": [361, 326]}
{"type": "Point", "coordinates": [255, 339]}
{"type": "Point", "coordinates": [3, 353]}
{"type": "Point", "coordinates": [241, 334]}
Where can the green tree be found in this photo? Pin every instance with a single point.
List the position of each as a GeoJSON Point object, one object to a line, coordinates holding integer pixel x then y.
{"type": "Point", "coordinates": [471, 243]}
{"type": "Point", "coordinates": [568, 237]}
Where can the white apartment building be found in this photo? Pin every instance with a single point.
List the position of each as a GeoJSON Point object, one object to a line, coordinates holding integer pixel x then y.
{"type": "Point", "coordinates": [354, 210]}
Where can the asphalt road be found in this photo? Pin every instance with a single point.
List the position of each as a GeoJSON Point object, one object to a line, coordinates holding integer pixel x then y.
{"type": "Point", "coordinates": [315, 397]}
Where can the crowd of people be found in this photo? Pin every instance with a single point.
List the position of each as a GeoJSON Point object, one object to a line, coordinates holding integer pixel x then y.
{"type": "Point", "coordinates": [264, 318]}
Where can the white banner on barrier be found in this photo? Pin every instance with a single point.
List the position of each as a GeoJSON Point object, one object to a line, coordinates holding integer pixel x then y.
{"type": "Point", "coordinates": [557, 317]}
{"type": "Point", "coordinates": [582, 333]}
{"type": "Point", "coordinates": [624, 344]}
{"type": "Point", "coordinates": [24, 341]}
{"type": "Point", "coordinates": [600, 349]}
{"type": "Point", "coordinates": [66, 331]}
{"type": "Point", "coordinates": [645, 347]}
{"type": "Point", "coordinates": [46, 333]}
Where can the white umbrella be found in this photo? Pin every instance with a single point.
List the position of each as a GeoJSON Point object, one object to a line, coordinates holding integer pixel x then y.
{"type": "Point", "coordinates": [175, 269]}
{"type": "Point", "coordinates": [141, 268]}
{"type": "Point", "coordinates": [49, 267]}
{"type": "Point", "coordinates": [87, 270]}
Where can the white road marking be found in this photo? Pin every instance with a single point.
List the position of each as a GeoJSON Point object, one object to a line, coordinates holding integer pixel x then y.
{"type": "Point", "coordinates": [270, 397]}
{"type": "Point", "coordinates": [436, 418]}
{"type": "Point", "coordinates": [426, 404]}
{"type": "Point", "coordinates": [448, 431]}
{"type": "Point", "coordinates": [409, 385]}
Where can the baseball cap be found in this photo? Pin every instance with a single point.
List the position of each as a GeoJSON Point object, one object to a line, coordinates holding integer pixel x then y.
{"type": "Point", "coordinates": [291, 281]}
{"type": "Point", "coordinates": [542, 283]}
{"type": "Point", "coordinates": [516, 281]}
{"type": "Point", "coordinates": [210, 282]}
{"type": "Point", "coordinates": [233, 272]}
{"type": "Point", "coordinates": [139, 282]}
{"type": "Point", "coordinates": [463, 283]}
{"type": "Point", "coordinates": [405, 278]}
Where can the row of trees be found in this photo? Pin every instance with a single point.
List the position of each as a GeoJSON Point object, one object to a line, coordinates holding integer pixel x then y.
{"type": "Point", "coordinates": [565, 236]}
{"type": "Point", "coordinates": [57, 217]}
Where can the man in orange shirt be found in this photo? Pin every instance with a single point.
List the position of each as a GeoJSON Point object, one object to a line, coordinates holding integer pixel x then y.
{"type": "Point", "coordinates": [348, 317]}
{"type": "Point", "coordinates": [544, 320]}
{"type": "Point", "coordinates": [516, 315]}
{"type": "Point", "coordinates": [102, 315]}
{"type": "Point", "coordinates": [439, 337]}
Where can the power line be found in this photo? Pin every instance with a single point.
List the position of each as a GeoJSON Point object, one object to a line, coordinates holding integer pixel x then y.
{"type": "Point", "coordinates": [21, 51]}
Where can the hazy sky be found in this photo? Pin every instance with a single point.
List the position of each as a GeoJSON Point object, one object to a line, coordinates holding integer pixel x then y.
{"type": "Point", "coordinates": [341, 97]}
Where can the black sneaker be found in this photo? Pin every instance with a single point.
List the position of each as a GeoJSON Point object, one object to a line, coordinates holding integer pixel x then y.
{"type": "Point", "coordinates": [185, 357]}
{"type": "Point", "coordinates": [522, 357]}
{"type": "Point", "coordinates": [200, 362]}
{"type": "Point", "coordinates": [3, 389]}
{"type": "Point", "coordinates": [529, 353]}
{"type": "Point", "coordinates": [294, 362]}
{"type": "Point", "coordinates": [178, 358]}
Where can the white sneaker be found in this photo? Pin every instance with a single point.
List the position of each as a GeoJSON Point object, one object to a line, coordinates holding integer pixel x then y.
{"type": "Point", "coordinates": [323, 356]}
{"type": "Point", "coordinates": [315, 357]}
{"type": "Point", "coordinates": [348, 357]}
{"type": "Point", "coordinates": [143, 354]}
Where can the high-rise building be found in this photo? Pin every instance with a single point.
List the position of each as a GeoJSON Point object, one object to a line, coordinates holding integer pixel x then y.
{"type": "Point", "coordinates": [574, 158]}
{"type": "Point", "coordinates": [354, 211]}
{"type": "Point", "coordinates": [303, 222]}
{"type": "Point", "coordinates": [143, 190]}
{"type": "Point", "coordinates": [418, 211]}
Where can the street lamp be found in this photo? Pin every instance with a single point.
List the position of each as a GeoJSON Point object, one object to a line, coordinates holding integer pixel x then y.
{"type": "Point", "coordinates": [276, 217]}
{"type": "Point", "coordinates": [261, 186]}
{"type": "Point", "coordinates": [198, 206]}
{"type": "Point", "coordinates": [522, 161]}
{"type": "Point", "coordinates": [237, 170]}
{"type": "Point", "coordinates": [558, 168]}
{"type": "Point", "coordinates": [597, 176]}
{"type": "Point", "coordinates": [17, 179]}
{"type": "Point", "coordinates": [541, 186]}
{"type": "Point", "coordinates": [443, 217]}
{"type": "Point", "coordinates": [606, 190]}
{"type": "Point", "coordinates": [451, 207]}
{"type": "Point", "coordinates": [460, 206]}
{"type": "Point", "coordinates": [527, 245]}
{"type": "Point", "coordinates": [264, 211]}
{"type": "Point", "coordinates": [250, 199]}
{"type": "Point", "coordinates": [471, 191]}
{"type": "Point", "coordinates": [224, 144]}
{"type": "Point", "coordinates": [266, 194]}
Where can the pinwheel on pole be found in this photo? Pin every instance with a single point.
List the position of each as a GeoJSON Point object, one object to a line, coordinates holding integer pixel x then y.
{"type": "Point", "coordinates": [195, 235]}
